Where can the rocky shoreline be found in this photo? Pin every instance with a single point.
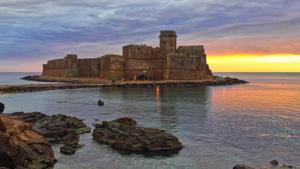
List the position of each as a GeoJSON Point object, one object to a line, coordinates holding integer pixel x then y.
{"type": "Point", "coordinates": [74, 84]}
{"type": "Point", "coordinates": [25, 139]}
{"type": "Point", "coordinates": [22, 147]}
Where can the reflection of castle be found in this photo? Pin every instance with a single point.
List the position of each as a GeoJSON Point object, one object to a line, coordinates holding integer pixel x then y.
{"type": "Point", "coordinates": [139, 62]}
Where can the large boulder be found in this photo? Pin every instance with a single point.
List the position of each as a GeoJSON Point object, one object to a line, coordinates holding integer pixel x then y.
{"type": "Point", "coordinates": [21, 147]}
{"type": "Point", "coordinates": [56, 127]}
{"type": "Point", "coordinates": [2, 107]}
{"type": "Point", "coordinates": [124, 134]}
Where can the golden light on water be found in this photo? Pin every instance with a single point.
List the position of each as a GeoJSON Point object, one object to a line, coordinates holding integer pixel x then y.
{"type": "Point", "coordinates": [255, 63]}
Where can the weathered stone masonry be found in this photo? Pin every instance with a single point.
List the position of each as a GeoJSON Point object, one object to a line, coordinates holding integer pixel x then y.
{"type": "Point", "coordinates": [138, 62]}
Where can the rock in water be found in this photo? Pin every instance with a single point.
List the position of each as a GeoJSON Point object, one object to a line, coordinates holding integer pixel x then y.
{"type": "Point", "coordinates": [100, 103]}
{"type": "Point", "coordinates": [242, 166]}
{"type": "Point", "coordinates": [274, 162]}
{"type": "Point", "coordinates": [70, 143]}
{"type": "Point", "coordinates": [2, 107]}
{"type": "Point", "coordinates": [21, 147]}
{"type": "Point", "coordinates": [272, 165]}
{"type": "Point", "coordinates": [56, 127]}
{"type": "Point", "coordinates": [124, 134]}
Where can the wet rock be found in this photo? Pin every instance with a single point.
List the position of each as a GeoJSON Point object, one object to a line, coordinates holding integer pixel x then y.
{"type": "Point", "coordinates": [242, 166]}
{"type": "Point", "coordinates": [31, 117]}
{"type": "Point", "coordinates": [56, 127]}
{"type": "Point", "coordinates": [70, 143]}
{"type": "Point", "coordinates": [100, 103]}
{"type": "Point", "coordinates": [67, 150]}
{"type": "Point", "coordinates": [126, 121]}
{"type": "Point", "coordinates": [21, 147]}
{"type": "Point", "coordinates": [2, 107]}
{"type": "Point", "coordinates": [71, 139]}
{"type": "Point", "coordinates": [274, 162]}
{"type": "Point", "coordinates": [124, 134]}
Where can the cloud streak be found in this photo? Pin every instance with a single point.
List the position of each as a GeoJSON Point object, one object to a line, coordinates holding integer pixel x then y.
{"type": "Point", "coordinates": [46, 29]}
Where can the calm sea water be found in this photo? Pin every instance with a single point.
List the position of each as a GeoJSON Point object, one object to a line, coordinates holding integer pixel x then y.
{"type": "Point", "coordinates": [219, 126]}
{"type": "Point", "coordinates": [14, 78]}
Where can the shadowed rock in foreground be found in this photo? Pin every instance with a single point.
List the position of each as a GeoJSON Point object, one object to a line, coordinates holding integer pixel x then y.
{"type": "Point", "coordinates": [21, 147]}
{"type": "Point", "coordinates": [274, 164]}
{"type": "Point", "coordinates": [124, 134]}
{"type": "Point", "coordinates": [2, 107]}
{"type": "Point", "coordinates": [56, 128]}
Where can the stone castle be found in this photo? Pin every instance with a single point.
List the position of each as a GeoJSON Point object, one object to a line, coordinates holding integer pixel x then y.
{"type": "Point", "coordinates": [138, 62]}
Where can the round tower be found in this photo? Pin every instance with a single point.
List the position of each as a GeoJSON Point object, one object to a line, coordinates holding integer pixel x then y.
{"type": "Point", "coordinates": [168, 41]}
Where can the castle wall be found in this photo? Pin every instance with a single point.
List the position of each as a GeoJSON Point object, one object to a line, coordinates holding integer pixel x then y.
{"type": "Point", "coordinates": [61, 68]}
{"type": "Point", "coordinates": [142, 60]}
{"type": "Point", "coordinates": [89, 67]}
{"type": "Point", "coordinates": [187, 63]}
{"type": "Point", "coordinates": [112, 67]}
{"type": "Point", "coordinates": [139, 62]}
{"type": "Point", "coordinates": [71, 66]}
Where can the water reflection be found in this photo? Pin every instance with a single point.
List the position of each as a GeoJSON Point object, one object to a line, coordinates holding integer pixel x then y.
{"type": "Point", "coordinates": [219, 126]}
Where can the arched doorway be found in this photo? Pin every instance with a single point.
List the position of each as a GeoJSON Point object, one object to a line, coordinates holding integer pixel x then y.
{"type": "Point", "coordinates": [142, 77]}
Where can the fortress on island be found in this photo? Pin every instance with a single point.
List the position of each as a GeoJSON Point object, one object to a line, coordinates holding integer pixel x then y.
{"type": "Point", "coordinates": [138, 62]}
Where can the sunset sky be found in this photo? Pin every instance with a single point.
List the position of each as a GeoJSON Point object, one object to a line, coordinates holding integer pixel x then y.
{"type": "Point", "coordinates": [238, 35]}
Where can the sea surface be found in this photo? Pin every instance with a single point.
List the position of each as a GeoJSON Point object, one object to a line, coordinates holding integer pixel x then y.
{"type": "Point", "coordinates": [219, 126]}
{"type": "Point", "coordinates": [14, 78]}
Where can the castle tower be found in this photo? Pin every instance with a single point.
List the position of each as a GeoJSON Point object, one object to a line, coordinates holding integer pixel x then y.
{"type": "Point", "coordinates": [167, 41]}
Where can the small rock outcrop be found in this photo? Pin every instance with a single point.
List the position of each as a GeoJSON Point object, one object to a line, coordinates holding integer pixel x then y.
{"type": "Point", "coordinates": [70, 143]}
{"type": "Point", "coordinates": [100, 103]}
{"type": "Point", "coordinates": [274, 164]}
{"type": "Point", "coordinates": [242, 166]}
{"type": "Point", "coordinates": [2, 107]}
{"type": "Point", "coordinates": [56, 127]}
{"type": "Point", "coordinates": [31, 117]}
{"type": "Point", "coordinates": [124, 134]}
{"type": "Point", "coordinates": [21, 147]}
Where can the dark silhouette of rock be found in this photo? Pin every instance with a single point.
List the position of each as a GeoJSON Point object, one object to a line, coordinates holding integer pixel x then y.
{"type": "Point", "coordinates": [124, 134]}
{"type": "Point", "coordinates": [21, 147]}
{"type": "Point", "coordinates": [100, 103]}
{"type": "Point", "coordinates": [2, 107]}
{"type": "Point", "coordinates": [274, 162]}
{"type": "Point", "coordinates": [242, 166]}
